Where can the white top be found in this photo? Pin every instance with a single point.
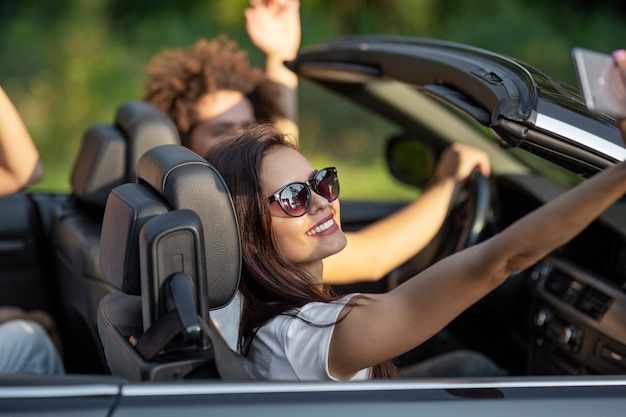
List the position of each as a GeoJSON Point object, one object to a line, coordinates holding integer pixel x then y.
{"type": "Point", "coordinates": [289, 348]}
{"type": "Point", "coordinates": [227, 320]}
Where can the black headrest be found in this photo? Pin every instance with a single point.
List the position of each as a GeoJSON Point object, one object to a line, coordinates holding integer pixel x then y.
{"type": "Point", "coordinates": [128, 208]}
{"type": "Point", "coordinates": [172, 177]}
{"type": "Point", "coordinates": [145, 127]}
{"type": "Point", "coordinates": [110, 153]}
{"type": "Point", "coordinates": [187, 181]}
{"type": "Point", "coordinates": [100, 166]}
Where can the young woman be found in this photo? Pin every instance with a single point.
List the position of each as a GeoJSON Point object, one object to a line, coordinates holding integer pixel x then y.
{"type": "Point", "coordinates": [289, 217]}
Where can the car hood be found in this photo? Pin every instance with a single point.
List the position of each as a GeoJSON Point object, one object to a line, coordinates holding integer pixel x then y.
{"type": "Point", "coordinates": [522, 105]}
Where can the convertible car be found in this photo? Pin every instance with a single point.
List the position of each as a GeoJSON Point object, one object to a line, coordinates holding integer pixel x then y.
{"type": "Point", "coordinates": [134, 259]}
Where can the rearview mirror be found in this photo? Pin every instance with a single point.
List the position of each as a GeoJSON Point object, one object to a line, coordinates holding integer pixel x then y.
{"type": "Point", "coordinates": [409, 160]}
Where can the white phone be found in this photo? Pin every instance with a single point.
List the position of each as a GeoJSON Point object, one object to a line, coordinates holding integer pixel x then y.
{"type": "Point", "coordinates": [603, 86]}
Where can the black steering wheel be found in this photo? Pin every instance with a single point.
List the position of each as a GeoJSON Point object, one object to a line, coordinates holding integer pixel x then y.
{"type": "Point", "coordinates": [468, 217]}
{"type": "Point", "coordinates": [461, 229]}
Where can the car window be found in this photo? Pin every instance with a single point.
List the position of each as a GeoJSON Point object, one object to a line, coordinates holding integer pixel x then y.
{"type": "Point", "coordinates": [353, 139]}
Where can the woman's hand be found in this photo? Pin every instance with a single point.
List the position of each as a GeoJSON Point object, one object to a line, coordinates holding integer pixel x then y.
{"type": "Point", "coordinates": [274, 27]}
{"type": "Point", "coordinates": [459, 161]}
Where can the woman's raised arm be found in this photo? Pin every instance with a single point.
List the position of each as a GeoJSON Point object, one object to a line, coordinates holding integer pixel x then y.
{"type": "Point", "coordinates": [393, 323]}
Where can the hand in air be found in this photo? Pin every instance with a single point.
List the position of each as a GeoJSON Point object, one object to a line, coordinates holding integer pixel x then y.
{"type": "Point", "coordinates": [274, 27]}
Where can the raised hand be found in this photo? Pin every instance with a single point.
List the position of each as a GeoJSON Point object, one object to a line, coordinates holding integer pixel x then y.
{"type": "Point", "coordinates": [274, 27]}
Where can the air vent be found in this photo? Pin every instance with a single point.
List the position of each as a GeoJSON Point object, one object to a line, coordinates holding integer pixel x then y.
{"type": "Point", "coordinates": [563, 286]}
{"type": "Point", "coordinates": [580, 296]}
{"type": "Point", "coordinates": [593, 302]}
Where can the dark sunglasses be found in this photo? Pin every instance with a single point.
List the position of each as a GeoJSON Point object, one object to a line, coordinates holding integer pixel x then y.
{"type": "Point", "coordinates": [295, 198]}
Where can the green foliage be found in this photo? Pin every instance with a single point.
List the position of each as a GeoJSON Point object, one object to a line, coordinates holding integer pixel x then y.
{"type": "Point", "coordinates": [68, 64]}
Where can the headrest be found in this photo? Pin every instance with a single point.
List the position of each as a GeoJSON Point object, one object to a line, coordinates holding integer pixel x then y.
{"type": "Point", "coordinates": [110, 152]}
{"type": "Point", "coordinates": [128, 208]}
{"type": "Point", "coordinates": [186, 181]}
{"type": "Point", "coordinates": [145, 127]}
{"type": "Point", "coordinates": [101, 164]}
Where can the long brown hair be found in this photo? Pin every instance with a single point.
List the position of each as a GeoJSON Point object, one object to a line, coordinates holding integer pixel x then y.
{"type": "Point", "coordinates": [270, 284]}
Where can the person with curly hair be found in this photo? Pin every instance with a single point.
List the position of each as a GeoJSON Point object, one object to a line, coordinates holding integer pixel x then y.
{"type": "Point", "coordinates": [211, 88]}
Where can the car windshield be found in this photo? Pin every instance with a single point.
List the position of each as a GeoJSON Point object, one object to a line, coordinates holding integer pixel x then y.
{"type": "Point", "coordinates": [357, 141]}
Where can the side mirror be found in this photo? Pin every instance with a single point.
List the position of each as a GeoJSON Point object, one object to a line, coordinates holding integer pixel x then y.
{"type": "Point", "coordinates": [409, 160]}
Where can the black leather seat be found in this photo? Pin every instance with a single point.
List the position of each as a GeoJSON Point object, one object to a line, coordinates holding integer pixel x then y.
{"type": "Point", "coordinates": [107, 159]}
{"type": "Point", "coordinates": [170, 245]}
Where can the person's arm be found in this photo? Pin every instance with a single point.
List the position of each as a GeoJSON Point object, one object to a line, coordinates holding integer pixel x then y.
{"type": "Point", "coordinates": [387, 325]}
{"type": "Point", "coordinates": [274, 28]}
{"type": "Point", "coordinates": [19, 158]}
{"type": "Point", "coordinates": [377, 249]}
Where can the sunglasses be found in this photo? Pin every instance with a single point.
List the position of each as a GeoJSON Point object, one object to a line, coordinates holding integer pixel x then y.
{"type": "Point", "coordinates": [295, 198]}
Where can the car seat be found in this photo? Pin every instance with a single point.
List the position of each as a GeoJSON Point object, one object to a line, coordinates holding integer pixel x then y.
{"type": "Point", "coordinates": [107, 159]}
{"type": "Point", "coordinates": [170, 245]}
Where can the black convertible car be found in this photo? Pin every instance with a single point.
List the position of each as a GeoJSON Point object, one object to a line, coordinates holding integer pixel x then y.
{"type": "Point", "coordinates": [133, 260]}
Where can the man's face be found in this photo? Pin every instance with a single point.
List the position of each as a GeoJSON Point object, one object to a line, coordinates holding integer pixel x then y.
{"type": "Point", "coordinates": [219, 112]}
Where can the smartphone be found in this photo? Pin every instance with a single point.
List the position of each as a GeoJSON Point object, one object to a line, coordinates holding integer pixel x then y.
{"type": "Point", "coordinates": [603, 86]}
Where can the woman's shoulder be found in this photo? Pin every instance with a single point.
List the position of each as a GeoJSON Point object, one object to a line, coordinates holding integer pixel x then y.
{"type": "Point", "coordinates": [316, 314]}
{"type": "Point", "coordinates": [317, 310]}
{"type": "Point", "coordinates": [298, 341]}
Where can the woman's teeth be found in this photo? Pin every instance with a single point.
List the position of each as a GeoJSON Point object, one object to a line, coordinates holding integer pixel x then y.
{"type": "Point", "coordinates": [324, 226]}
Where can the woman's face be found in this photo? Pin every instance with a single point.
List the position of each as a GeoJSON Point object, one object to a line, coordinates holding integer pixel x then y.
{"type": "Point", "coordinates": [308, 239]}
{"type": "Point", "coordinates": [219, 113]}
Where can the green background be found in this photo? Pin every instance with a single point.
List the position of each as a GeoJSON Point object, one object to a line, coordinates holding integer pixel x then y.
{"type": "Point", "coordinates": [68, 64]}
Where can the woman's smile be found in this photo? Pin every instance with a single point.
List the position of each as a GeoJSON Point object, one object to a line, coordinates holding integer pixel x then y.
{"type": "Point", "coordinates": [324, 227]}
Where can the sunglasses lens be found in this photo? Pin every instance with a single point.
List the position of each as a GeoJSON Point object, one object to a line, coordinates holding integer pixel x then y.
{"type": "Point", "coordinates": [295, 199]}
{"type": "Point", "coordinates": [327, 184]}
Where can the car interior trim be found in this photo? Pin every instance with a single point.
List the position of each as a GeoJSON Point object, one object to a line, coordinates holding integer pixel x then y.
{"type": "Point", "coordinates": [41, 391]}
{"type": "Point", "coordinates": [134, 390]}
{"type": "Point", "coordinates": [581, 136]}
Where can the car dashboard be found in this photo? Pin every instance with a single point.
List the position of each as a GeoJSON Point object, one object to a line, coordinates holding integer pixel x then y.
{"type": "Point", "coordinates": [577, 295]}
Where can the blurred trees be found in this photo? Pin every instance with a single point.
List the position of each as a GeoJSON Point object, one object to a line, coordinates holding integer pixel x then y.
{"type": "Point", "coordinates": [68, 64]}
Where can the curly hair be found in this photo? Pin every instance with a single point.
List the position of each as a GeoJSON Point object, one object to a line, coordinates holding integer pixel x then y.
{"type": "Point", "coordinates": [178, 78]}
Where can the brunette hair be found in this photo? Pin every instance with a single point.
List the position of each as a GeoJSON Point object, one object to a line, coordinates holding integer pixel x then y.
{"type": "Point", "coordinates": [178, 78]}
{"type": "Point", "coordinates": [270, 284]}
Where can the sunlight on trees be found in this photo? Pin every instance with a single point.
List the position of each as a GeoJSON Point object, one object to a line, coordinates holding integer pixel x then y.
{"type": "Point", "coordinates": [69, 64]}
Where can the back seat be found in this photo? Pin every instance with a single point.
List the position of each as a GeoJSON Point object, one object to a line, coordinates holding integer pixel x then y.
{"type": "Point", "coordinates": [26, 281]}
{"type": "Point", "coordinates": [107, 159]}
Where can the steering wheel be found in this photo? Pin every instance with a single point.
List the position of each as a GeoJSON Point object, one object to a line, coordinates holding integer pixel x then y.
{"type": "Point", "coordinates": [467, 218]}
{"type": "Point", "coordinates": [461, 229]}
